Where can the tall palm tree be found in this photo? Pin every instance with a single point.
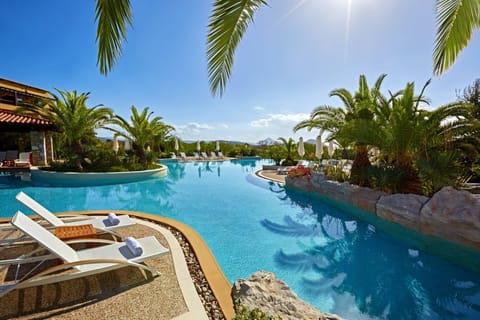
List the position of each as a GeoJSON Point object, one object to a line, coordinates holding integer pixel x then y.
{"type": "Point", "coordinates": [289, 147]}
{"type": "Point", "coordinates": [404, 132]}
{"type": "Point", "coordinates": [141, 130]}
{"type": "Point", "coordinates": [70, 114]}
{"type": "Point", "coordinates": [360, 105]}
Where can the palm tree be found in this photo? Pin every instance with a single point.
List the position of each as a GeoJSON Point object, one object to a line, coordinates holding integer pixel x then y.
{"type": "Point", "coordinates": [404, 132]}
{"type": "Point", "coordinates": [72, 117]}
{"type": "Point", "coordinates": [360, 105]}
{"type": "Point", "coordinates": [142, 131]}
{"type": "Point", "coordinates": [289, 147]}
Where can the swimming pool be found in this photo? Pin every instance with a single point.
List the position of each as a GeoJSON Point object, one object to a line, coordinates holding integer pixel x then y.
{"type": "Point", "coordinates": [330, 257]}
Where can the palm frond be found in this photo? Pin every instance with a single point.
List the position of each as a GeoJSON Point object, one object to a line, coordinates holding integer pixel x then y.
{"type": "Point", "coordinates": [456, 21]}
{"type": "Point", "coordinates": [113, 18]}
{"type": "Point", "coordinates": [228, 22]}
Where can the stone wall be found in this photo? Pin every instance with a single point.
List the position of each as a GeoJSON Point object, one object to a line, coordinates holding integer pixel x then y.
{"type": "Point", "coordinates": [450, 214]}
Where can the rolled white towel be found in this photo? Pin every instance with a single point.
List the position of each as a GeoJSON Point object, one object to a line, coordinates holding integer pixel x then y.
{"type": "Point", "coordinates": [114, 220]}
{"type": "Point", "coordinates": [134, 246]}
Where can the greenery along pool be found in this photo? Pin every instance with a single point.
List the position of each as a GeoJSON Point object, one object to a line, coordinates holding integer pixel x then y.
{"type": "Point", "coordinates": [332, 258]}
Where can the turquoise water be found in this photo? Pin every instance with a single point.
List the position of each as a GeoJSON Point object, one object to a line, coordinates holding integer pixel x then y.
{"type": "Point", "coordinates": [331, 257]}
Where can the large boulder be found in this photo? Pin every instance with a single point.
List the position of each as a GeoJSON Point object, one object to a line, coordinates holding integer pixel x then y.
{"type": "Point", "coordinates": [402, 208]}
{"type": "Point", "coordinates": [453, 215]}
{"type": "Point", "coordinates": [337, 190]}
{"type": "Point", "coordinates": [365, 198]}
{"type": "Point", "coordinates": [274, 297]}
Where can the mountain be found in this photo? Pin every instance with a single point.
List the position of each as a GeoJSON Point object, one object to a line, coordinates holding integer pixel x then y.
{"type": "Point", "coordinates": [267, 142]}
{"type": "Point", "coordinates": [311, 141]}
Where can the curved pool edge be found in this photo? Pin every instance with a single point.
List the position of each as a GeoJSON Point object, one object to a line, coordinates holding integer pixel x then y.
{"type": "Point", "coordinates": [217, 280]}
{"type": "Point", "coordinates": [94, 178]}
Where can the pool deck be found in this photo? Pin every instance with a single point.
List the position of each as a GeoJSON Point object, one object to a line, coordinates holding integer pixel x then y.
{"type": "Point", "coordinates": [172, 295]}
{"type": "Point", "coordinates": [271, 175]}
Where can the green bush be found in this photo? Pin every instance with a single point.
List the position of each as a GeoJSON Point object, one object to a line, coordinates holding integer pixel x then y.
{"type": "Point", "coordinates": [336, 173]}
{"type": "Point", "coordinates": [388, 179]}
{"type": "Point", "coordinates": [241, 313]}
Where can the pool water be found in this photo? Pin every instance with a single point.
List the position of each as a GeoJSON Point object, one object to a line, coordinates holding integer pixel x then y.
{"type": "Point", "coordinates": [332, 255]}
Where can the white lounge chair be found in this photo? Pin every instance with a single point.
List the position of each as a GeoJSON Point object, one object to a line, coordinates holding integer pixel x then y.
{"type": "Point", "coordinates": [23, 159]}
{"type": "Point", "coordinates": [220, 155]}
{"type": "Point", "coordinates": [183, 156]}
{"type": "Point", "coordinates": [83, 262]}
{"type": "Point", "coordinates": [204, 156]}
{"type": "Point", "coordinates": [196, 156]}
{"type": "Point", "coordinates": [101, 223]}
{"type": "Point", "coordinates": [213, 155]}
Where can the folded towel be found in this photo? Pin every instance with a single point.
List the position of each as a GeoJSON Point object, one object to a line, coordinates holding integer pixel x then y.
{"type": "Point", "coordinates": [114, 220]}
{"type": "Point", "coordinates": [134, 246]}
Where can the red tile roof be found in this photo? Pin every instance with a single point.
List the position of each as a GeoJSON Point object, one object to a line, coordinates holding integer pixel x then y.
{"type": "Point", "coordinates": [7, 117]}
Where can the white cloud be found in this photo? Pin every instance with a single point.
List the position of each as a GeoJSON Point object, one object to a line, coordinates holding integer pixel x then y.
{"type": "Point", "coordinates": [279, 119]}
{"type": "Point", "coordinates": [224, 125]}
{"type": "Point", "coordinates": [258, 108]}
{"type": "Point", "coordinates": [193, 128]}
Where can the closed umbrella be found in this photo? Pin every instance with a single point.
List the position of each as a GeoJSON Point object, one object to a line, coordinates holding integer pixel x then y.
{"type": "Point", "coordinates": [176, 145]}
{"type": "Point", "coordinates": [115, 145]}
{"type": "Point", "coordinates": [127, 145]}
{"type": "Point", "coordinates": [319, 148]}
{"type": "Point", "coordinates": [331, 149]}
{"type": "Point", "coordinates": [198, 146]}
{"type": "Point", "coordinates": [217, 147]}
{"type": "Point", "coordinates": [301, 148]}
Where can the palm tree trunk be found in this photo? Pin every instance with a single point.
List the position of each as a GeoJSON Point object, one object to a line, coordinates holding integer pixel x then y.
{"type": "Point", "coordinates": [360, 164]}
{"type": "Point", "coordinates": [77, 149]}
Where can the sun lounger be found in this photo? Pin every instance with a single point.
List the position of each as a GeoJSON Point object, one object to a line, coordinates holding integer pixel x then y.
{"type": "Point", "coordinates": [104, 224]}
{"type": "Point", "coordinates": [83, 262]}
{"type": "Point", "coordinates": [183, 156]}
{"type": "Point", "coordinates": [220, 155]}
{"type": "Point", "coordinates": [204, 156]}
{"type": "Point", "coordinates": [196, 156]}
{"type": "Point", "coordinates": [23, 159]}
{"type": "Point", "coordinates": [213, 155]}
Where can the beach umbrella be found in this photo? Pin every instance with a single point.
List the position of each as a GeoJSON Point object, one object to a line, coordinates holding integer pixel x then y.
{"type": "Point", "coordinates": [319, 148]}
{"type": "Point", "coordinates": [115, 144]}
{"type": "Point", "coordinates": [198, 146]}
{"type": "Point", "coordinates": [331, 149]}
{"type": "Point", "coordinates": [301, 148]}
{"type": "Point", "coordinates": [148, 149]}
{"type": "Point", "coordinates": [176, 144]}
{"type": "Point", "coordinates": [218, 146]}
{"type": "Point", "coordinates": [127, 145]}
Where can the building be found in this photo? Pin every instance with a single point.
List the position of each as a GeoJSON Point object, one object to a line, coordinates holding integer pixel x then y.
{"type": "Point", "coordinates": [24, 132]}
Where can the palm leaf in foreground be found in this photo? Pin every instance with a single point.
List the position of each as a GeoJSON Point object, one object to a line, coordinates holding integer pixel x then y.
{"type": "Point", "coordinates": [228, 22]}
{"type": "Point", "coordinates": [113, 17]}
{"type": "Point", "coordinates": [456, 21]}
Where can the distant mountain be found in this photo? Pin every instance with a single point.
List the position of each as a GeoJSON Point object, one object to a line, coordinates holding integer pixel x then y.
{"type": "Point", "coordinates": [311, 141]}
{"type": "Point", "coordinates": [267, 142]}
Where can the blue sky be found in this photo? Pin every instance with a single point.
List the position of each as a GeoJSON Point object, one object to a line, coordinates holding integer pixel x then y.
{"type": "Point", "coordinates": [294, 54]}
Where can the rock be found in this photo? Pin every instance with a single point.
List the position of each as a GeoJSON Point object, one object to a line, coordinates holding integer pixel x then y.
{"type": "Point", "coordinates": [453, 215]}
{"type": "Point", "coordinates": [274, 297]}
{"type": "Point", "coordinates": [365, 198]}
{"type": "Point", "coordinates": [337, 190]}
{"type": "Point", "coordinates": [402, 208]}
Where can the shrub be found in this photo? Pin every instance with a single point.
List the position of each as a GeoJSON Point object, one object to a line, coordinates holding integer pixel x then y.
{"type": "Point", "coordinates": [241, 313]}
{"type": "Point", "coordinates": [388, 179]}
{"type": "Point", "coordinates": [337, 173]}
{"type": "Point", "coordinates": [299, 172]}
